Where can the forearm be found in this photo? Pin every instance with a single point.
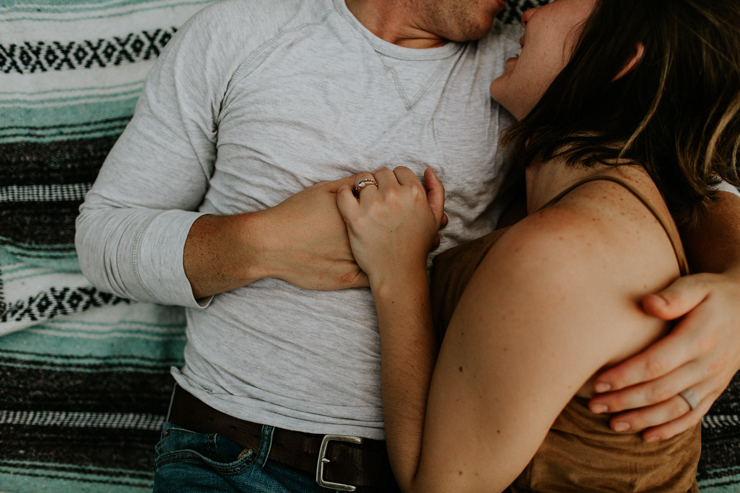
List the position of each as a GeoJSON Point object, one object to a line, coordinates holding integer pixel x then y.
{"type": "Point", "coordinates": [408, 354]}
{"type": "Point", "coordinates": [222, 253]}
{"type": "Point", "coordinates": [713, 244]}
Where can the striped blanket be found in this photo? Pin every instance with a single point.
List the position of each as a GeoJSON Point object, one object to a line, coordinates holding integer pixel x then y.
{"type": "Point", "coordinates": [84, 375]}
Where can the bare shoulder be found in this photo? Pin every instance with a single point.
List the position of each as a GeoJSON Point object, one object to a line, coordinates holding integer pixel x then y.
{"type": "Point", "coordinates": [584, 262]}
{"type": "Point", "coordinates": [603, 228]}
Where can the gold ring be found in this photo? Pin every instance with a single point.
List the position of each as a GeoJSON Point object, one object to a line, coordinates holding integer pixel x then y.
{"type": "Point", "coordinates": [365, 182]}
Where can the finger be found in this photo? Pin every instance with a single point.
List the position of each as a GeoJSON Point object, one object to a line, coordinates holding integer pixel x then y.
{"type": "Point", "coordinates": [406, 177]}
{"type": "Point", "coordinates": [445, 220]}
{"type": "Point", "coordinates": [435, 194]}
{"type": "Point", "coordinates": [651, 416]}
{"type": "Point", "coordinates": [386, 178]}
{"type": "Point", "coordinates": [360, 281]}
{"type": "Point", "coordinates": [667, 354]}
{"type": "Point", "coordinates": [370, 187]}
{"type": "Point", "coordinates": [435, 243]}
{"type": "Point", "coordinates": [648, 393]}
{"type": "Point", "coordinates": [678, 299]}
{"type": "Point", "coordinates": [679, 425]}
{"type": "Point", "coordinates": [334, 185]}
{"type": "Point", "coordinates": [346, 201]}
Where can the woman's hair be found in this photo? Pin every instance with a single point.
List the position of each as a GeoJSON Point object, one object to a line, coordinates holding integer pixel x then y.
{"type": "Point", "coordinates": [677, 112]}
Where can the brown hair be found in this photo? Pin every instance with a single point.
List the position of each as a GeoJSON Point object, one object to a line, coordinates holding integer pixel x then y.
{"type": "Point", "coordinates": [677, 113]}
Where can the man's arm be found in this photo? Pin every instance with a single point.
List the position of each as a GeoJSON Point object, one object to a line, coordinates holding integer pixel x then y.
{"type": "Point", "coordinates": [302, 241]}
{"type": "Point", "coordinates": [702, 353]}
{"type": "Point", "coordinates": [139, 234]}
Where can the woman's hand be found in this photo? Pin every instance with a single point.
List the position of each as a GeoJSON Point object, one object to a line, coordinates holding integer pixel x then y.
{"type": "Point", "coordinates": [392, 226]}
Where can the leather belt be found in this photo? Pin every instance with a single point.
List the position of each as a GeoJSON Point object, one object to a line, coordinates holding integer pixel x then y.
{"type": "Point", "coordinates": [334, 459]}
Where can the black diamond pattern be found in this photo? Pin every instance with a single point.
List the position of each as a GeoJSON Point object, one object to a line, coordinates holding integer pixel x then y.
{"type": "Point", "coordinates": [39, 56]}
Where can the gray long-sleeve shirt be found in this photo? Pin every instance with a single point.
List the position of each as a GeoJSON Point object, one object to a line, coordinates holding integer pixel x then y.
{"type": "Point", "coordinates": [251, 102]}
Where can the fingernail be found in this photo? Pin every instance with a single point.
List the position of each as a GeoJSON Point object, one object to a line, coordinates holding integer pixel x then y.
{"type": "Point", "coordinates": [599, 408]}
{"type": "Point", "coordinates": [621, 426]}
{"type": "Point", "coordinates": [661, 301]}
{"type": "Point", "coordinates": [602, 387]}
{"type": "Point", "coordinates": [652, 439]}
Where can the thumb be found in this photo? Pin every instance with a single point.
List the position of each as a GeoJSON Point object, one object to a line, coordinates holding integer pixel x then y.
{"type": "Point", "coordinates": [435, 194]}
{"type": "Point", "coordinates": [678, 299]}
{"type": "Point", "coordinates": [346, 201]}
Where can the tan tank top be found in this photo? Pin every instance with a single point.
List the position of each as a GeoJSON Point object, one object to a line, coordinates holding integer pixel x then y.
{"type": "Point", "coordinates": [581, 452]}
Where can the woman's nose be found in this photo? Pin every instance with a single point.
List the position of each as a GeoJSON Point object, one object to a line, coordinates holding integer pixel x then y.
{"type": "Point", "coordinates": [526, 15]}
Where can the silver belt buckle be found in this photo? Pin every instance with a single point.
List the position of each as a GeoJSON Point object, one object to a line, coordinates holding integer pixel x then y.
{"type": "Point", "coordinates": [323, 460]}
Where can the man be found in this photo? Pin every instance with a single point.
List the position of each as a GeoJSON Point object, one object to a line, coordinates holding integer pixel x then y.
{"type": "Point", "coordinates": [249, 105]}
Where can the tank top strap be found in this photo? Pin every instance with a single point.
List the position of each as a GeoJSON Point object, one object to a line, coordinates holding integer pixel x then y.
{"type": "Point", "coordinates": [683, 263]}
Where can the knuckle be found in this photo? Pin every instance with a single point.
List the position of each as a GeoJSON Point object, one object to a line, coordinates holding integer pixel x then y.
{"type": "Point", "coordinates": [717, 366]}
{"type": "Point", "coordinates": [707, 341]}
{"type": "Point", "coordinates": [654, 366]}
{"type": "Point", "coordinates": [659, 394]}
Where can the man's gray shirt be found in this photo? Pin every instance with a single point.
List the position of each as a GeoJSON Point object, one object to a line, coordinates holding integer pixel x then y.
{"type": "Point", "coordinates": [250, 103]}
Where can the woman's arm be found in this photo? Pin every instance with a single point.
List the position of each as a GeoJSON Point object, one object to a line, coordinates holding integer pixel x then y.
{"type": "Point", "coordinates": [542, 314]}
{"type": "Point", "coordinates": [703, 351]}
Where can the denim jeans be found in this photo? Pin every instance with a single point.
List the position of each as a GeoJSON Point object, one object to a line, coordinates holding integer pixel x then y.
{"type": "Point", "coordinates": [189, 462]}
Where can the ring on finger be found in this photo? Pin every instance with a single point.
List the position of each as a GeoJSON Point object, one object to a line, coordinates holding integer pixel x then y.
{"type": "Point", "coordinates": [691, 398]}
{"type": "Point", "coordinates": [365, 182]}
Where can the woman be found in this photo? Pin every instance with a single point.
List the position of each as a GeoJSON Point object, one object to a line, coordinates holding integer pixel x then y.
{"type": "Point", "coordinates": [628, 114]}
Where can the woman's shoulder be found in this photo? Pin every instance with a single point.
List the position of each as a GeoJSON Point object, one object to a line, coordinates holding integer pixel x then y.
{"type": "Point", "coordinates": [588, 259]}
{"type": "Point", "coordinates": [616, 221]}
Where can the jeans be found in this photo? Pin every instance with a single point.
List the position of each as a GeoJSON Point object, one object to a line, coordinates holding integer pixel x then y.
{"type": "Point", "coordinates": [189, 462]}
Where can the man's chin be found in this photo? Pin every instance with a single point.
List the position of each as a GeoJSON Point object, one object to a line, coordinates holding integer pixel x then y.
{"type": "Point", "coordinates": [476, 30]}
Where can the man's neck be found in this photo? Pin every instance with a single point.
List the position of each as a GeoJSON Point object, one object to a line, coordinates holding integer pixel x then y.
{"type": "Point", "coordinates": [395, 21]}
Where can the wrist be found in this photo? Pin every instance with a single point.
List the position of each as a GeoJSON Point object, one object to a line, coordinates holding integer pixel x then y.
{"type": "Point", "coordinates": [251, 243]}
{"type": "Point", "coordinates": [399, 282]}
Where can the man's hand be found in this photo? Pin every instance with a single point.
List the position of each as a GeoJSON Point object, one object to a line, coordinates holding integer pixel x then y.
{"type": "Point", "coordinates": [702, 353]}
{"type": "Point", "coordinates": [302, 240]}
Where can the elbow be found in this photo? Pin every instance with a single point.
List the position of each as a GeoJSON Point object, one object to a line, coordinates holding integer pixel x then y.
{"type": "Point", "coordinates": [91, 246]}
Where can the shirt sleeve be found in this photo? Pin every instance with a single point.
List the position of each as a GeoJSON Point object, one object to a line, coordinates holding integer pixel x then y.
{"type": "Point", "coordinates": [726, 187]}
{"type": "Point", "coordinates": [132, 227]}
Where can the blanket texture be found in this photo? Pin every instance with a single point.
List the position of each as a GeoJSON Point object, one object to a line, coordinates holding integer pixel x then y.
{"type": "Point", "coordinates": [84, 375]}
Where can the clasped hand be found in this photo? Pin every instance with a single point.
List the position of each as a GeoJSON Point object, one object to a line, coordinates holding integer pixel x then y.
{"type": "Point", "coordinates": [392, 226]}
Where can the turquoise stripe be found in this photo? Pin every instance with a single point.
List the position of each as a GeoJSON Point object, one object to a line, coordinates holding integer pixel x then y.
{"type": "Point", "coordinates": [161, 369]}
{"type": "Point", "coordinates": [732, 487]}
{"type": "Point", "coordinates": [17, 476]}
{"type": "Point", "coordinates": [55, 258]}
{"type": "Point", "coordinates": [125, 349]}
{"type": "Point", "coordinates": [6, 97]}
{"type": "Point", "coordinates": [81, 132]}
{"type": "Point", "coordinates": [50, 119]}
{"type": "Point", "coordinates": [130, 92]}
{"type": "Point", "coordinates": [729, 482]}
{"type": "Point", "coordinates": [95, 13]}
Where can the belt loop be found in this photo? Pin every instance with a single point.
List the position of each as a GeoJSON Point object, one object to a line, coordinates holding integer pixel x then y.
{"type": "Point", "coordinates": [265, 445]}
{"type": "Point", "coordinates": [172, 399]}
